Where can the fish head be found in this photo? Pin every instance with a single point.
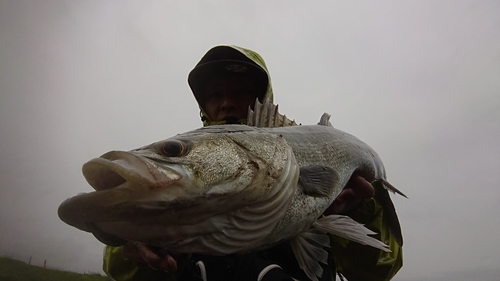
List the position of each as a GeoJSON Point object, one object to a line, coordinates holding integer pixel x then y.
{"type": "Point", "coordinates": [183, 180]}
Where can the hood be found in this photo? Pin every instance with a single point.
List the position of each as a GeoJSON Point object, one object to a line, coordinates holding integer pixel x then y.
{"type": "Point", "coordinates": [231, 59]}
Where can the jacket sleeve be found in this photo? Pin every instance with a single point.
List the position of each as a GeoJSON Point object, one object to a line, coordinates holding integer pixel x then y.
{"type": "Point", "coordinates": [360, 262]}
{"type": "Point", "coordinates": [118, 268]}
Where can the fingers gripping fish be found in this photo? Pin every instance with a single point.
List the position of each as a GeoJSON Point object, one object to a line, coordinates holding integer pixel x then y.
{"type": "Point", "coordinates": [228, 189]}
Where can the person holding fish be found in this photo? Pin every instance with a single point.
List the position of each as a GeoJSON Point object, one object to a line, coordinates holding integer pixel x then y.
{"type": "Point", "coordinates": [226, 82]}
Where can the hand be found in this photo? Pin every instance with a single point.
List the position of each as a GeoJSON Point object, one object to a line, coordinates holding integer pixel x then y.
{"type": "Point", "coordinates": [356, 190]}
{"type": "Point", "coordinates": [143, 255]}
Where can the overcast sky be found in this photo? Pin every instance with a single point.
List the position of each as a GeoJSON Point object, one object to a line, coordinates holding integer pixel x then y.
{"type": "Point", "coordinates": [417, 80]}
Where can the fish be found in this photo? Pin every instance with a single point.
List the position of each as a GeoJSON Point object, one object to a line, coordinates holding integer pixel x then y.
{"type": "Point", "coordinates": [227, 189]}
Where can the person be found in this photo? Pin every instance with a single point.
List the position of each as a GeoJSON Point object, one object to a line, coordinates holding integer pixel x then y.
{"type": "Point", "coordinates": [225, 82]}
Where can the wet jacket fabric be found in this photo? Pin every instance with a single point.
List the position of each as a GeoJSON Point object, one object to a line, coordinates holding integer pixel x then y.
{"type": "Point", "coordinates": [354, 261]}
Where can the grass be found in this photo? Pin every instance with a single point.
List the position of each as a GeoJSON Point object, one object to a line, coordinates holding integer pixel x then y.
{"type": "Point", "coordinates": [13, 270]}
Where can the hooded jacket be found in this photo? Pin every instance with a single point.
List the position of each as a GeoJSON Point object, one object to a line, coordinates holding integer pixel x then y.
{"type": "Point", "coordinates": [232, 59]}
{"type": "Point", "coordinates": [354, 261]}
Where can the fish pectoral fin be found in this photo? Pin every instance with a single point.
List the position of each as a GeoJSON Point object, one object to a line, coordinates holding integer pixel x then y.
{"type": "Point", "coordinates": [308, 248]}
{"type": "Point", "coordinates": [345, 227]}
{"type": "Point", "coordinates": [390, 187]}
{"type": "Point", "coordinates": [316, 180]}
{"type": "Point", "coordinates": [390, 216]}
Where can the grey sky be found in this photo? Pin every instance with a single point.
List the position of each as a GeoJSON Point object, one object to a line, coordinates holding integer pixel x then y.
{"type": "Point", "coordinates": [417, 80]}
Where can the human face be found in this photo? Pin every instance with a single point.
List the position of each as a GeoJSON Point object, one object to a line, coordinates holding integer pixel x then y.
{"type": "Point", "coordinates": [227, 97]}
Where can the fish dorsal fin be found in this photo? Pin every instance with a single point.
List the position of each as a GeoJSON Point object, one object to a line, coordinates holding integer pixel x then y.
{"type": "Point", "coordinates": [308, 248]}
{"type": "Point", "coordinates": [325, 120]}
{"type": "Point", "coordinates": [266, 115]}
{"type": "Point", "coordinates": [317, 180]}
{"type": "Point", "coordinates": [350, 229]}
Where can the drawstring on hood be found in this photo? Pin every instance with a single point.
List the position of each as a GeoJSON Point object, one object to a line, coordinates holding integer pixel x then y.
{"type": "Point", "coordinates": [232, 59]}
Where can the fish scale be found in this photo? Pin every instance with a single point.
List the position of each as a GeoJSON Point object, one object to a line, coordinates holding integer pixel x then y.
{"type": "Point", "coordinates": [231, 189]}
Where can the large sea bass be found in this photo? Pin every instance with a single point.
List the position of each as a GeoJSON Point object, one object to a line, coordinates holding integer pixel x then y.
{"type": "Point", "coordinates": [229, 189]}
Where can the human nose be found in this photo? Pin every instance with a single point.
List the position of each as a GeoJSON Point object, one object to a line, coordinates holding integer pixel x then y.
{"type": "Point", "coordinates": [227, 102]}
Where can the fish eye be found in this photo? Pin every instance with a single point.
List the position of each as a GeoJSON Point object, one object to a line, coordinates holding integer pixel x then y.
{"type": "Point", "coordinates": [174, 148]}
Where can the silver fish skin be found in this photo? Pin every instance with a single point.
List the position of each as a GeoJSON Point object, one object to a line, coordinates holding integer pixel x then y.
{"type": "Point", "coordinates": [228, 189]}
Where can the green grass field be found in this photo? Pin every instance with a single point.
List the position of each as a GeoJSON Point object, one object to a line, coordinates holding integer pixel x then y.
{"type": "Point", "coordinates": [13, 270]}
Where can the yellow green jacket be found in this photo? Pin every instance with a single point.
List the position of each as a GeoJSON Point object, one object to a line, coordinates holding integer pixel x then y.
{"type": "Point", "coordinates": [352, 260]}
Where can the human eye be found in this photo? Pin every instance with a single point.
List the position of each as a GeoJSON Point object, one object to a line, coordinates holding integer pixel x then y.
{"type": "Point", "coordinates": [212, 95]}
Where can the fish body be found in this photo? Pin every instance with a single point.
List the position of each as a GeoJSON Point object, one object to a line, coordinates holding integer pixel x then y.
{"type": "Point", "coordinates": [228, 189]}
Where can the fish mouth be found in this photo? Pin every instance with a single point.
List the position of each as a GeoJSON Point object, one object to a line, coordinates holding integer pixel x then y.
{"type": "Point", "coordinates": [117, 167]}
{"type": "Point", "coordinates": [120, 179]}
{"type": "Point", "coordinates": [105, 238]}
